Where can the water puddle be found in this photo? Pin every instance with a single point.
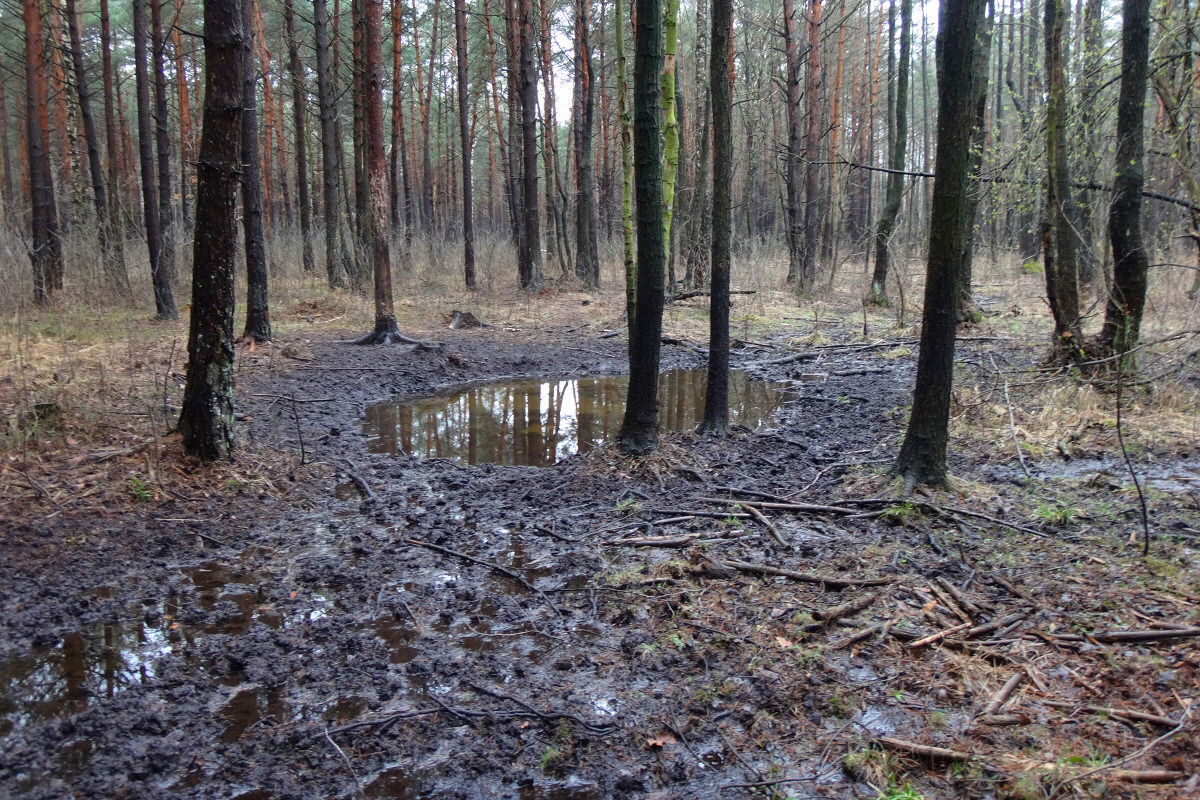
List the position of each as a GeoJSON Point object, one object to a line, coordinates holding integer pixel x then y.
{"type": "Point", "coordinates": [248, 708]}
{"type": "Point", "coordinates": [1182, 475]}
{"type": "Point", "coordinates": [537, 422]}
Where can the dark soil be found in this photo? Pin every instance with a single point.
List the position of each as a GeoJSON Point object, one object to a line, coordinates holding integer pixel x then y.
{"type": "Point", "coordinates": [365, 625]}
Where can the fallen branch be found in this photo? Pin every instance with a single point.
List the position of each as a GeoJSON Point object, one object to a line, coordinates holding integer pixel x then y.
{"type": "Point", "coordinates": [803, 577]}
{"type": "Point", "coordinates": [1016, 591]}
{"type": "Point", "coordinates": [494, 567]}
{"type": "Point", "coordinates": [994, 625]}
{"type": "Point", "coordinates": [857, 636]}
{"type": "Point", "coordinates": [764, 505]}
{"type": "Point", "coordinates": [553, 716]}
{"type": "Point", "coordinates": [1128, 713]}
{"type": "Point", "coordinates": [922, 750]}
{"type": "Point", "coordinates": [1001, 696]}
{"type": "Point", "coordinates": [845, 609]}
{"type": "Point", "coordinates": [766, 523]}
{"type": "Point", "coordinates": [933, 638]}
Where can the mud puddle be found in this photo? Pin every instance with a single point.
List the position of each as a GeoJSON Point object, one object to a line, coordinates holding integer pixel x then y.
{"type": "Point", "coordinates": [1182, 475]}
{"type": "Point", "coordinates": [536, 423]}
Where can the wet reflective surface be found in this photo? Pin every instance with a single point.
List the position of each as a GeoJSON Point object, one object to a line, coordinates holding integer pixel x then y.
{"type": "Point", "coordinates": [536, 423]}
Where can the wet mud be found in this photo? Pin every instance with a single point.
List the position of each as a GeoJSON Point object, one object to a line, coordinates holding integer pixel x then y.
{"type": "Point", "coordinates": [387, 625]}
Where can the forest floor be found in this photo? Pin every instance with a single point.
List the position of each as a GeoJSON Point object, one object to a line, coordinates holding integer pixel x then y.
{"type": "Point", "coordinates": [757, 616]}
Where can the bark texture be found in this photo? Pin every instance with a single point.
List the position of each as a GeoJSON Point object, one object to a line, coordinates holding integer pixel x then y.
{"type": "Point", "coordinates": [300, 120]}
{"type": "Point", "coordinates": [460, 47]}
{"type": "Point", "coordinates": [896, 153]}
{"type": "Point", "coordinates": [46, 251]}
{"type": "Point", "coordinates": [258, 319]}
{"type": "Point", "coordinates": [1123, 312]}
{"type": "Point", "coordinates": [716, 398]}
{"type": "Point", "coordinates": [922, 457]}
{"type": "Point", "coordinates": [206, 420]}
{"type": "Point", "coordinates": [639, 430]}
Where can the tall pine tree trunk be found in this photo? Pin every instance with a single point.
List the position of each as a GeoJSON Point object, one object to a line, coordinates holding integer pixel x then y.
{"type": "Point", "coordinates": [460, 46]}
{"type": "Point", "coordinates": [716, 399]}
{"type": "Point", "coordinates": [162, 146]}
{"type": "Point", "coordinates": [529, 258]}
{"type": "Point", "coordinates": [164, 301]}
{"type": "Point", "coordinates": [46, 252]}
{"type": "Point", "coordinates": [112, 255]}
{"type": "Point", "coordinates": [385, 314]}
{"type": "Point", "coordinates": [587, 259]}
{"type": "Point", "coordinates": [300, 122]}
{"type": "Point", "coordinates": [337, 259]}
{"type": "Point", "coordinates": [898, 108]}
{"type": "Point", "coordinates": [112, 144]}
{"type": "Point", "coordinates": [795, 231]}
{"type": "Point", "coordinates": [258, 320]}
{"type": "Point", "coordinates": [639, 429]}
{"type": "Point", "coordinates": [625, 123]}
{"type": "Point", "coordinates": [206, 420]}
{"type": "Point", "coordinates": [812, 154]}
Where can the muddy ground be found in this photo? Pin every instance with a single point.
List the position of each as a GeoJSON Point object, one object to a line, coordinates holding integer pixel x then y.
{"type": "Point", "coordinates": [363, 624]}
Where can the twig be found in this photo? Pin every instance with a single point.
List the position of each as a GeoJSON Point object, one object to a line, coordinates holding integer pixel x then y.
{"type": "Point", "coordinates": [922, 750]}
{"type": "Point", "coordinates": [1137, 484]}
{"type": "Point", "coordinates": [550, 717]}
{"type": "Point", "coordinates": [299, 399]}
{"type": "Point", "coordinates": [1184, 723]}
{"type": "Point", "coordinates": [494, 567]}
{"type": "Point", "coordinates": [1002, 695]}
{"type": "Point", "coordinates": [1016, 591]}
{"type": "Point", "coordinates": [1012, 425]}
{"type": "Point", "coordinates": [766, 523]}
{"type": "Point", "coordinates": [1128, 713]}
{"type": "Point", "coordinates": [937, 637]}
{"type": "Point", "coordinates": [359, 481]}
{"type": "Point", "coordinates": [1110, 637]}
{"type": "Point", "coordinates": [358, 792]}
{"type": "Point", "coordinates": [857, 636]}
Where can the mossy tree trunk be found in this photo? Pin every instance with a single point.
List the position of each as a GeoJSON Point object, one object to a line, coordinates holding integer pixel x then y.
{"type": "Point", "coordinates": [258, 320]}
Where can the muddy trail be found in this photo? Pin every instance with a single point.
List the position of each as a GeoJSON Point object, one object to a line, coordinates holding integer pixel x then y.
{"type": "Point", "coordinates": [722, 619]}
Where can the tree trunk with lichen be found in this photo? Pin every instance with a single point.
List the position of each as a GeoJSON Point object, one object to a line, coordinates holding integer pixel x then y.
{"type": "Point", "coordinates": [206, 419]}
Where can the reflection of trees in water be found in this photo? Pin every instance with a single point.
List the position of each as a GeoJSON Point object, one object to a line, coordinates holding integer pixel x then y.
{"type": "Point", "coordinates": [535, 423]}
{"type": "Point", "coordinates": [56, 682]}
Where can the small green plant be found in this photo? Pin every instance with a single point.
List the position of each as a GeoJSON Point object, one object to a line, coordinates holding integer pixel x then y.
{"type": "Point", "coordinates": [140, 491]}
{"type": "Point", "coordinates": [234, 485]}
{"type": "Point", "coordinates": [1032, 267]}
{"type": "Point", "coordinates": [936, 719]}
{"type": "Point", "coordinates": [628, 504]}
{"type": "Point", "coordinates": [900, 791]}
{"type": "Point", "coordinates": [1054, 515]}
{"type": "Point", "coordinates": [551, 758]}
{"type": "Point", "coordinates": [900, 514]}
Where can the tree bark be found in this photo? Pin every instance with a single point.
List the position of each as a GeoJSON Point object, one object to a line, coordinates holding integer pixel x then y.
{"type": "Point", "coordinates": [529, 260]}
{"type": "Point", "coordinates": [812, 154]}
{"type": "Point", "coordinates": [1058, 239]}
{"type": "Point", "coordinates": [206, 420]}
{"type": "Point", "coordinates": [112, 145]}
{"type": "Point", "coordinates": [716, 398]}
{"type": "Point", "coordinates": [922, 456]}
{"type": "Point", "coordinates": [625, 125]}
{"type": "Point", "coordinates": [1123, 312]}
{"type": "Point", "coordinates": [587, 257]}
{"type": "Point", "coordinates": [186, 153]}
{"type": "Point", "coordinates": [895, 185]}
{"type": "Point", "coordinates": [337, 259]}
{"type": "Point", "coordinates": [460, 46]}
{"type": "Point", "coordinates": [299, 112]}
{"type": "Point", "coordinates": [385, 314]}
{"type": "Point", "coordinates": [670, 122]}
{"type": "Point", "coordinates": [258, 320]}
{"type": "Point", "coordinates": [46, 252]}
{"type": "Point", "coordinates": [639, 430]}
{"type": "Point", "coordinates": [111, 253]}
{"type": "Point", "coordinates": [164, 301]}
{"type": "Point", "coordinates": [698, 234]}
{"type": "Point", "coordinates": [795, 231]}
{"type": "Point", "coordinates": [162, 146]}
